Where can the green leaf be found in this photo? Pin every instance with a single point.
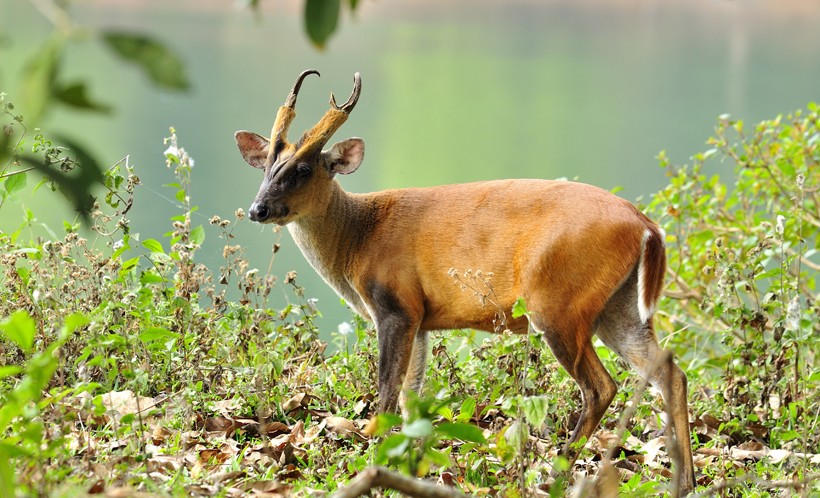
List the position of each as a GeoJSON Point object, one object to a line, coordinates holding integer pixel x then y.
{"type": "Point", "coordinates": [154, 334]}
{"type": "Point", "coordinates": [129, 264]}
{"type": "Point", "coordinates": [535, 409]}
{"type": "Point", "coordinates": [15, 183]}
{"type": "Point", "coordinates": [516, 434]}
{"type": "Point", "coordinates": [153, 245]}
{"type": "Point", "coordinates": [9, 370]}
{"type": "Point", "coordinates": [38, 78]}
{"type": "Point", "coordinates": [519, 308]}
{"type": "Point", "coordinates": [789, 435]}
{"type": "Point", "coordinates": [418, 429]}
{"type": "Point", "coordinates": [198, 235]}
{"type": "Point", "coordinates": [438, 457]}
{"type": "Point", "coordinates": [467, 410]}
{"type": "Point", "coordinates": [150, 277]}
{"type": "Point", "coordinates": [392, 447]}
{"type": "Point", "coordinates": [163, 67]}
{"type": "Point", "coordinates": [385, 422]}
{"type": "Point", "coordinates": [20, 329]}
{"type": "Point", "coordinates": [353, 4]}
{"type": "Point", "coordinates": [321, 17]}
{"type": "Point", "coordinates": [73, 322]}
{"type": "Point", "coordinates": [7, 479]}
{"type": "Point", "coordinates": [465, 432]}
{"type": "Point", "coordinates": [76, 95]}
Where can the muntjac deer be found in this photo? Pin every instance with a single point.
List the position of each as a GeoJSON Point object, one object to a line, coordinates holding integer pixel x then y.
{"type": "Point", "coordinates": [584, 260]}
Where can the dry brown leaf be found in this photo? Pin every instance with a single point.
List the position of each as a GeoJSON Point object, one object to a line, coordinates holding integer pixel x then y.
{"type": "Point", "coordinates": [291, 472]}
{"type": "Point", "coordinates": [703, 462]}
{"type": "Point", "coordinates": [606, 439]}
{"type": "Point", "coordinates": [227, 406]}
{"type": "Point", "coordinates": [606, 485]}
{"type": "Point", "coordinates": [228, 476]}
{"type": "Point", "coordinates": [344, 427]}
{"type": "Point", "coordinates": [297, 432]}
{"type": "Point", "coordinates": [312, 433]}
{"type": "Point", "coordinates": [97, 488]}
{"type": "Point", "coordinates": [709, 451]}
{"type": "Point", "coordinates": [219, 424]}
{"type": "Point", "coordinates": [652, 449]}
{"type": "Point", "coordinates": [751, 446]}
{"type": "Point", "coordinates": [360, 407]}
{"type": "Point", "coordinates": [258, 457]}
{"type": "Point", "coordinates": [447, 479]}
{"type": "Point", "coordinates": [123, 492]}
{"type": "Point", "coordinates": [267, 487]}
{"type": "Point", "coordinates": [301, 400]}
{"type": "Point", "coordinates": [213, 456]}
{"type": "Point", "coordinates": [126, 402]}
{"type": "Point", "coordinates": [160, 434]}
{"type": "Point", "coordinates": [167, 463]}
{"type": "Point", "coordinates": [273, 428]}
{"type": "Point", "coordinates": [778, 456]}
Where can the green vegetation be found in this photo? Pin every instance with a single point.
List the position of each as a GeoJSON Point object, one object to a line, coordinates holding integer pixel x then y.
{"type": "Point", "coordinates": [128, 366]}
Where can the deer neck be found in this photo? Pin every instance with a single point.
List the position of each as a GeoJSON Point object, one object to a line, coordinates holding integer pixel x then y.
{"type": "Point", "coordinates": [327, 237]}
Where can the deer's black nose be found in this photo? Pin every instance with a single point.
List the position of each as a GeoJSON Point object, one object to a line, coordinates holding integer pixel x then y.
{"type": "Point", "coordinates": [259, 212]}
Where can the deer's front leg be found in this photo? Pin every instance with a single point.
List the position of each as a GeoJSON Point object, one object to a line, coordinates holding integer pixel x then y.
{"type": "Point", "coordinates": [396, 327]}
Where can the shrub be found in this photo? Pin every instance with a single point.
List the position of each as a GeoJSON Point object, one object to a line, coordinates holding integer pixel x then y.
{"type": "Point", "coordinates": [743, 292]}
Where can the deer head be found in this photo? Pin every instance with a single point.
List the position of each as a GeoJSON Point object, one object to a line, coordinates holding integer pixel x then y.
{"type": "Point", "coordinates": [299, 176]}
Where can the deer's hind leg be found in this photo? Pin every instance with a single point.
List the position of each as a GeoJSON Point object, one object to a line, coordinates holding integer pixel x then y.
{"type": "Point", "coordinates": [621, 329]}
{"type": "Point", "coordinates": [572, 347]}
{"type": "Point", "coordinates": [416, 370]}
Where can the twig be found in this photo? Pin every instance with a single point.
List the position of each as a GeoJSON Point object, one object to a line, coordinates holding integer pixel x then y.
{"type": "Point", "coordinates": [380, 477]}
{"type": "Point", "coordinates": [55, 13]}
{"type": "Point", "coordinates": [18, 172]}
{"type": "Point", "coordinates": [672, 443]}
{"type": "Point", "coordinates": [672, 448]}
{"type": "Point", "coordinates": [626, 416]}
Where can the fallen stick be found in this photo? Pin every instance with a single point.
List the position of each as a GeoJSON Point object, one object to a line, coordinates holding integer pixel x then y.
{"type": "Point", "coordinates": [380, 477]}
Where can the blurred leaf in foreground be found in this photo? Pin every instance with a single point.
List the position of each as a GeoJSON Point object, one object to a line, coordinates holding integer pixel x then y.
{"type": "Point", "coordinates": [321, 18]}
{"type": "Point", "coordinates": [160, 64]}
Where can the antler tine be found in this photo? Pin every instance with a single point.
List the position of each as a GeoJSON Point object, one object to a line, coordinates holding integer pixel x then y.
{"type": "Point", "coordinates": [291, 100]}
{"type": "Point", "coordinates": [313, 141]}
{"type": "Point", "coordinates": [354, 96]}
{"type": "Point", "coordinates": [285, 116]}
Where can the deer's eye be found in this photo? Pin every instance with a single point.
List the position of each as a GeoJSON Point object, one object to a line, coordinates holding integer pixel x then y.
{"type": "Point", "coordinates": [303, 171]}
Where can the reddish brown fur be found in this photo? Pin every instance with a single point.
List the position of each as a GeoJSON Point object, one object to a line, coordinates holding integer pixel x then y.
{"type": "Point", "coordinates": [574, 252]}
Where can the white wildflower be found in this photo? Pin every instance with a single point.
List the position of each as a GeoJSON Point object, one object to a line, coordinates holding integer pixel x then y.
{"type": "Point", "coordinates": [344, 328]}
{"type": "Point", "coordinates": [780, 226]}
{"type": "Point", "coordinates": [793, 314]}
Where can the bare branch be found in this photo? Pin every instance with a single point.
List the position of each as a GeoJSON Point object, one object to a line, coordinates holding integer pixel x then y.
{"type": "Point", "coordinates": [18, 172]}
{"type": "Point", "coordinates": [380, 477]}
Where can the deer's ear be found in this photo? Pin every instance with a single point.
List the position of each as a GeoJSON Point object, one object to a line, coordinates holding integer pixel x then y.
{"type": "Point", "coordinates": [346, 156]}
{"type": "Point", "coordinates": [253, 147]}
